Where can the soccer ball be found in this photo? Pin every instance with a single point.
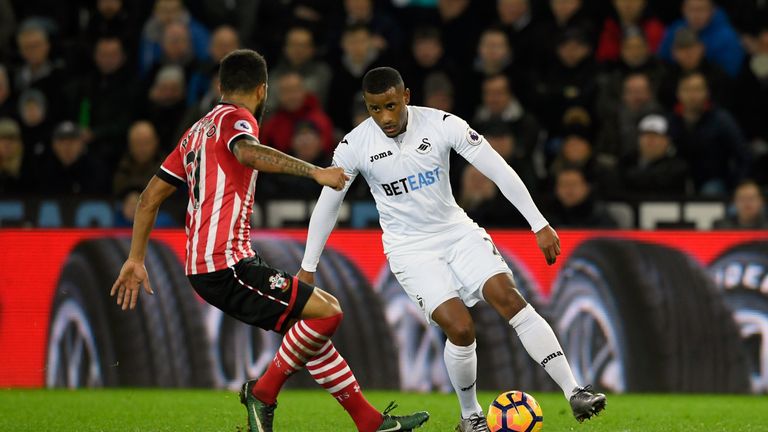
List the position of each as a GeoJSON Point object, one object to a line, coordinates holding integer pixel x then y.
{"type": "Point", "coordinates": [515, 411]}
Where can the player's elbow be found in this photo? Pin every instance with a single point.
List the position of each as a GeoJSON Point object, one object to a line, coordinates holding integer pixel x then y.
{"type": "Point", "coordinates": [148, 202]}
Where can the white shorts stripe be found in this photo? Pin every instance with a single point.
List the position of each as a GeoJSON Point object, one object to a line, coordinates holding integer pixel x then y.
{"type": "Point", "coordinates": [257, 291]}
{"type": "Point", "coordinates": [341, 385]}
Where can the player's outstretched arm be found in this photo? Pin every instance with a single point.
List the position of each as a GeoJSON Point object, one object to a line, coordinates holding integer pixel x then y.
{"type": "Point", "coordinates": [320, 226]}
{"type": "Point", "coordinates": [133, 273]}
{"type": "Point", "coordinates": [263, 158]}
{"type": "Point", "coordinates": [493, 166]}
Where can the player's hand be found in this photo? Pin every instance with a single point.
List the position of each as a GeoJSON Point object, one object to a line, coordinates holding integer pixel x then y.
{"type": "Point", "coordinates": [549, 243]}
{"type": "Point", "coordinates": [306, 276]}
{"type": "Point", "coordinates": [127, 286]}
{"type": "Point", "coordinates": [333, 177]}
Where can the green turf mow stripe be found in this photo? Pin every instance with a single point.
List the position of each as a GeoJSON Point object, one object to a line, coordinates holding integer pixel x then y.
{"type": "Point", "coordinates": [314, 411]}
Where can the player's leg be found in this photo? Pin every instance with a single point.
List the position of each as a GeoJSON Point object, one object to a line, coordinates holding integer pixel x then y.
{"type": "Point", "coordinates": [461, 360]}
{"type": "Point", "coordinates": [540, 341]}
{"type": "Point", "coordinates": [428, 281]}
{"type": "Point", "coordinates": [485, 275]}
{"type": "Point", "coordinates": [307, 330]}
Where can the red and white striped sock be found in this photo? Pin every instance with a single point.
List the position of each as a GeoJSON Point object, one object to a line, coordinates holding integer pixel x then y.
{"type": "Point", "coordinates": [301, 343]}
{"type": "Point", "coordinates": [330, 370]}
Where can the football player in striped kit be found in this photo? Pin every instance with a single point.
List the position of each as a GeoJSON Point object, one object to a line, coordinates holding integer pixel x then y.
{"type": "Point", "coordinates": [218, 159]}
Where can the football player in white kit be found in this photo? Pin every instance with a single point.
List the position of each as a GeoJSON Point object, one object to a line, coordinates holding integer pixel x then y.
{"type": "Point", "coordinates": [444, 261]}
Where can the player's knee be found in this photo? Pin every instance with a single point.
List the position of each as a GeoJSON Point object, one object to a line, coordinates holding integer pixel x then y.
{"type": "Point", "coordinates": [331, 306]}
{"type": "Point", "coordinates": [460, 332]}
{"type": "Point", "coordinates": [334, 305]}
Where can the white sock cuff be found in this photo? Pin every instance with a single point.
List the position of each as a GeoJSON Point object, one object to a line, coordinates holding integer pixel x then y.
{"type": "Point", "coordinates": [524, 315]}
{"type": "Point", "coordinates": [458, 351]}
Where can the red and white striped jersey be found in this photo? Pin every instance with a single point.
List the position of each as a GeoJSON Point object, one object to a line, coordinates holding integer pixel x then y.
{"type": "Point", "coordinates": [220, 188]}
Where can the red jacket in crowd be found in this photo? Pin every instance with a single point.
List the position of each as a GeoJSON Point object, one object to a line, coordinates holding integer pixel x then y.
{"type": "Point", "coordinates": [609, 46]}
{"type": "Point", "coordinates": [278, 130]}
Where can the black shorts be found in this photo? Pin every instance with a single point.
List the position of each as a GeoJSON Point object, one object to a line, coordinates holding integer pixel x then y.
{"type": "Point", "coordinates": [254, 293]}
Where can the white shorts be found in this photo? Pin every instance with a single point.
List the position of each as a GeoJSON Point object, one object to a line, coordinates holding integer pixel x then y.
{"type": "Point", "coordinates": [458, 267]}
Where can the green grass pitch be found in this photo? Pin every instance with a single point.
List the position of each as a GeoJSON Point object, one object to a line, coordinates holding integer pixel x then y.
{"type": "Point", "coordinates": [305, 411]}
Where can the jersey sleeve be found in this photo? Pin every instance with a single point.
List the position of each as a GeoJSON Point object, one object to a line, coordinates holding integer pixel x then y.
{"type": "Point", "coordinates": [463, 138]}
{"type": "Point", "coordinates": [172, 169]}
{"type": "Point", "coordinates": [346, 157]}
{"type": "Point", "coordinates": [238, 124]}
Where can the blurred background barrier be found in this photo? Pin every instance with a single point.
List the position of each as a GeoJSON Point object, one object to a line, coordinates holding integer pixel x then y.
{"type": "Point", "coordinates": [635, 311]}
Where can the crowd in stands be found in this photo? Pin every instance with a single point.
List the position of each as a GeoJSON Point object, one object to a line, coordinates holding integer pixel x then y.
{"type": "Point", "coordinates": [588, 101]}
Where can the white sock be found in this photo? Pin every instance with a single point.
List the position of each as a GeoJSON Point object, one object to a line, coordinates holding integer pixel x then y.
{"type": "Point", "coordinates": [542, 345]}
{"type": "Point", "coordinates": [462, 369]}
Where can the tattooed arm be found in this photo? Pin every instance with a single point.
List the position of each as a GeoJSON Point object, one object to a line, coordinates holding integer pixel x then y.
{"type": "Point", "coordinates": [251, 153]}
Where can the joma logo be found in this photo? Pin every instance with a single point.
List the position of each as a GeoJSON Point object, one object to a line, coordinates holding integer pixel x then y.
{"type": "Point", "coordinates": [381, 155]}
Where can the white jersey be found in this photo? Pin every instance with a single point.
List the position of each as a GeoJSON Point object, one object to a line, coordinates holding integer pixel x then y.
{"type": "Point", "coordinates": [408, 174]}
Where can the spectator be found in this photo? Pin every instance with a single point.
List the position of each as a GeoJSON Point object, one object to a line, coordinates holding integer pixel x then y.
{"type": "Point", "coordinates": [748, 209]}
{"type": "Point", "coordinates": [69, 170]}
{"type": "Point", "coordinates": [752, 92]}
{"type": "Point", "coordinates": [124, 217]}
{"type": "Point", "coordinates": [38, 71]}
{"type": "Point", "coordinates": [164, 13]}
{"type": "Point", "coordinates": [494, 57]}
{"type": "Point", "coordinates": [688, 55]}
{"type": "Point", "coordinates": [307, 144]}
{"type": "Point", "coordinates": [575, 205]}
{"type": "Point", "coordinates": [296, 104]}
{"type": "Point", "coordinates": [631, 17]}
{"type": "Point", "coordinates": [11, 158]}
{"type": "Point", "coordinates": [438, 92]}
{"type": "Point", "coordinates": [141, 161]}
{"type": "Point", "coordinates": [708, 138]}
{"type": "Point", "coordinates": [711, 24]}
{"type": "Point", "coordinates": [246, 17]}
{"type": "Point", "coordinates": [635, 58]}
{"type": "Point", "coordinates": [223, 41]}
{"type": "Point", "coordinates": [385, 33]}
{"type": "Point", "coordinates": [576, 151]}
{"type": "Point", "coordinates": [483, 202]}
{"type": "Point", "coordinates": [166, 105]}
{"type": "Point", "coordinates": [299, 56]}
{"type": "Point", "coordinates": [619, 132]}
{"type": "Point", "coordinates": [36, 125]}
{"type": "Point", "coordinates": [566, 16]}
{"type": "Point", "coordinates": [105, 100]}
{"type": "Point", "coordinates": [516, 18]}
{"type": "Point", "coordinates": [428, 57]}
{"type": "Point", "coordinates": [501, 105]}
{"type": "Point", "coordinates": [177, 51]}
{"type": "Point", "coordinates": [652, 171]}
{"type": "Point", "coordinates": [111, 20]}
{"type": "Point", "coordinates": [460, 26]}
{"type": "Point", "coordinates": [7, 108]}
{"type": "Point", "coordinates": [360, 55]}
{"type": "Point", "coordinates": [569, 82]}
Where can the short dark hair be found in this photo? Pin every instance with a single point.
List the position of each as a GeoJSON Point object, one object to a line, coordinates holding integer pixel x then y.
{"type": "Point", "coordinates": [242, 71]}
{"type": "Point", "coordinates": [381, 79]}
